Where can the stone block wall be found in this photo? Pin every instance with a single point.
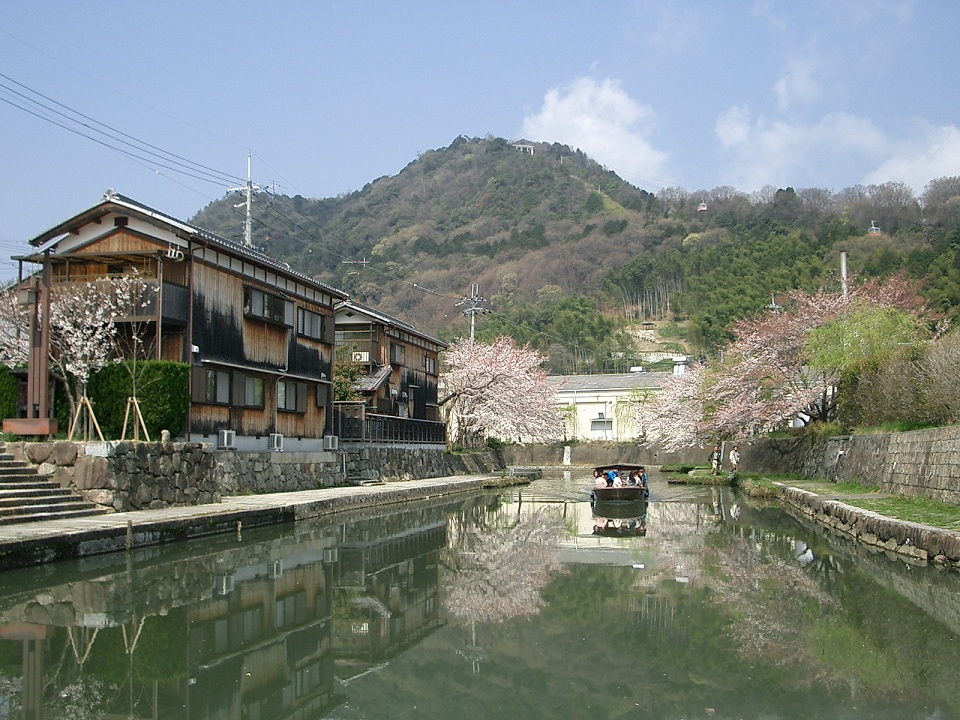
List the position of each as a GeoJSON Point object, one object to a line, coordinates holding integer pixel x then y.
{"type": "Point", "coordinates": [919, 463]}
{"type": "Point", "coordinates": [128, 476]}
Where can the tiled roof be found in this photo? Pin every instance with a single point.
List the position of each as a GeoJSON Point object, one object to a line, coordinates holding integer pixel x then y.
{"type": "Point", "coordinates": [610, 381]}
{"type": "Point", "coordinates": [114, 199]}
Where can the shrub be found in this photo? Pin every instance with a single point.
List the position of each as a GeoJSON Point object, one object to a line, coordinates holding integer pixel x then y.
{"type": "Point", "coordinates": [8, 393]}
{"type": "Point", "coordinates": [162, 391]}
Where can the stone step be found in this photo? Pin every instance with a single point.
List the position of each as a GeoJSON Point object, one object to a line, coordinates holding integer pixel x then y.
{"type": "Point", "coordinates": [49, 490]}
{"type": "Point", "coordinates": [50, 510]}
{"type": "Point", "coordinates": [39, 516]}
{"type": "Point", "coordinates": [13, 469]}
{"type": "Point", "coordinates": [9, 498]}
{"type": "Point", "coordinates": [26, 483]}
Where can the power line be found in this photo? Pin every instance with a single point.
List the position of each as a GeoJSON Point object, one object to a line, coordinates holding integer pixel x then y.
{"type": "Point", "coordinates": [46, 109]}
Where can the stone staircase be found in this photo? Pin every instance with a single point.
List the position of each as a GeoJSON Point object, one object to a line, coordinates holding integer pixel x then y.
{"type": "Point", "coordinates": [27, 497]}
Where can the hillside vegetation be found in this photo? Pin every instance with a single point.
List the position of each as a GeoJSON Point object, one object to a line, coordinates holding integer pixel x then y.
{"type": "Point", "coordinates": [570, 256]}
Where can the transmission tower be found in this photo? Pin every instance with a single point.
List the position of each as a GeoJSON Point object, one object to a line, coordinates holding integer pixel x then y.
{"type": "Point", "coordinates": [249, 189]}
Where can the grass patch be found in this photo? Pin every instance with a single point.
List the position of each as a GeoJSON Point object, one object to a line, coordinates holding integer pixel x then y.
{"type": "Point", "coordinates": [892, 427]}
{"type": "Point", "coordinates": [682, 469]}
{"type": "Point", "coordinates": [757, 487]}
{"type": "Point", "coordinates": [912, 509]}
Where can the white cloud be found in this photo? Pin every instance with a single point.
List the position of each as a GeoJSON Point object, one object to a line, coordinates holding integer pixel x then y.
{"type": "Point", "coordinates": [931, 153]}
{"type": "Point", "coordinates": [762, 152]}
{"type": "Point", "coordinates": [798, 85]}
{"type": "Point", "coordinates": [600, 118]}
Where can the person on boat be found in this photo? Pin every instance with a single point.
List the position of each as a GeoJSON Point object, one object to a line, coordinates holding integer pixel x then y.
{"type": "Point", "coordinates": [644, 482]}
{"type": "Point", "coordinates": [611, 476]}
{"type": "Point", "coordinates": [617, 481]}
{"type": "Point", "coordinates": [598, 479]}
{"type": "Point", "coordinates": [634, 478]}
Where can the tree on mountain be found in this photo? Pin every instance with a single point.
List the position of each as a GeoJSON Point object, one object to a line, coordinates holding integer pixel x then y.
{"type": "Point", "coordinates": [497, 390]}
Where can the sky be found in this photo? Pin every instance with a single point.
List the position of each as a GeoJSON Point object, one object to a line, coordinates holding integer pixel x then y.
{"type": "Point", "coordinates": [163, 101]}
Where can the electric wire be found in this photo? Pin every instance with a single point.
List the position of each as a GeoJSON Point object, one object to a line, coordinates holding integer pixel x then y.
{"type": "Point", "coordinates": [147, 154]}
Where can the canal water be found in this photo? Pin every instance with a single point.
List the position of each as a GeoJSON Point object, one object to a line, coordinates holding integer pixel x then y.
{"type": "Point", "coordinates": [522, 604]}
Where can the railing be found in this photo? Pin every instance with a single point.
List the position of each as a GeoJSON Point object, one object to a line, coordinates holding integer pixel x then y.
{"type": "Point", "coordinates": [353, 423]}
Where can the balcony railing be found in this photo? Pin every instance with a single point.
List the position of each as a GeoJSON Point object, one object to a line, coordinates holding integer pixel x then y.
{"type": "Point", "coordinates": [353, 423]}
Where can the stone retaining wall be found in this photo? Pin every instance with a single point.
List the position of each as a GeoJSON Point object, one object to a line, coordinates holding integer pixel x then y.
{"type": "Point", "coordinates": [138, 476]}
{"type": "Point", "coordinates": [912, 540]}
{"type": "Point", "coordinates": [918, 463]}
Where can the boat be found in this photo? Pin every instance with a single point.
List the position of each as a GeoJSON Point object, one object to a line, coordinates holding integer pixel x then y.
{"type": "Point", "coordinates": [623, 493]}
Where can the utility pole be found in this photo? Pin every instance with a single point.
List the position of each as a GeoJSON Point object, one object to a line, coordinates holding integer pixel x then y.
{"type": "Point", "coordinates": [249, 189]}
{"type": "Point", "coordinates": [474, 308]}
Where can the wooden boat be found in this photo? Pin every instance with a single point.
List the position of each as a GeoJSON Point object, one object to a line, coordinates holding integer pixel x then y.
{"type": "Point", "coordinates": [625, 493]}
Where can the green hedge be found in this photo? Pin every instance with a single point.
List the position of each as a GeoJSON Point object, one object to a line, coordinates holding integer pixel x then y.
{"type": "Point", "coordinates": [162, 390]}
{"type": "Point", "coordinates": [8, 393]}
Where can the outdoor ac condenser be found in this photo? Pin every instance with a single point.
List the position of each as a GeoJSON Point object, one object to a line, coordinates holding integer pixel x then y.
{"type": "Point", "coordinates": [331, 442]}
{"type": "Point", "coordinates": [227, 439]}
{"type": "Point", "coordinates": [275, 442]}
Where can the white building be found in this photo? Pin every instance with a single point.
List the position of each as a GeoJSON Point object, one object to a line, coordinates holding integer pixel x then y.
{"type": "Point", "coordinates": [597, 407]}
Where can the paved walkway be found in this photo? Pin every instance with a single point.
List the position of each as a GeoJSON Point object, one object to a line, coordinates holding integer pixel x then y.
{"type": "Point", "coordinates": [47, 540]}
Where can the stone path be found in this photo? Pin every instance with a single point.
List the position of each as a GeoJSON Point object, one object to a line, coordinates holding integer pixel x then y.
{"type": "Point", "coordinates": [49, 540]}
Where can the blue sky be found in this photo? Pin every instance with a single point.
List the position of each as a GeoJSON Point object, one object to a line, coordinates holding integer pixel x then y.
{"type": "Point", "coordinates": [329, 96]}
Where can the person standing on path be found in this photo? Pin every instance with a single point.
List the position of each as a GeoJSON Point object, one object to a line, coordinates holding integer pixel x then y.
{"type": "Point", "coordinates": [715, 458]}
{"type": "Point", "coordinates": [735, 458]}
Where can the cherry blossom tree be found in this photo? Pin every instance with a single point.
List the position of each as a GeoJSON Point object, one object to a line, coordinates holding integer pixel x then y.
{"type": "Point", "coordinates": [83, 328]}
{"type": "Point", "coordinates": [787, 362]}
{"type": "Point", "coordinates": [673, 416]}
{"type": "Point", "coordinates": [498, 389]}
{"type": "Point", "coordinates": [14, 329]}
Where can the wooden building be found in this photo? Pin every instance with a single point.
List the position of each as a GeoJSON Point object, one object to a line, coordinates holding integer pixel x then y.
{"type": "Point", "coordinates": [258, 334]}
{"type": "Point", "coordinates": [400, 362]}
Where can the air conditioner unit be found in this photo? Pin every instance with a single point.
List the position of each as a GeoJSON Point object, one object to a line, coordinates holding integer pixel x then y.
{"type": "Point", "coordinates": [331, 442]}
{"type": "Point", "coordinates": [276, 569]}
{"type": "Point", "coordinates": [223, 584]}
{"type": "Point", "coordinates": [275, 442]}
{"type": "Point", "coordinates": [227, 439]}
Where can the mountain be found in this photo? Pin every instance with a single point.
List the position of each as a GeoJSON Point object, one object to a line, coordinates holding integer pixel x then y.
{"type": "Point", "coordinates": [567, 251]}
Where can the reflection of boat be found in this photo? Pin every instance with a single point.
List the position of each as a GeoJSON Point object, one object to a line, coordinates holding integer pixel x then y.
{"type": "Point", "coordinates": [623, 493]}
{"type": "Point", "coordinates": [620, 527]}
{"type": "Point", "coordinates": [619, 509]}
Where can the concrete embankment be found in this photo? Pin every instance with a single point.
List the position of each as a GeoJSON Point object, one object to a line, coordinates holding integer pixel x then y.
{"type": "Point", "coordinates": [913, 541]}
{"type": "Point", "coordinates": [45, 541]}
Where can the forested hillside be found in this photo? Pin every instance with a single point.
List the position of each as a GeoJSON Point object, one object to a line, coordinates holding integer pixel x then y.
{"type": "Point", "coordinates": [568, 254]}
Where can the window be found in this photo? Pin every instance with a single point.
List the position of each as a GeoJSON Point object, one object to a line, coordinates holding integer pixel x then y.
{"type": "Point", "coordinates": [309, 324]}
{"type": "Point", "coordinates": [291, 396]}
{"type": "Point", "coordinates": [264, 306]}
{"type": "Point", "coordinates": [430, 365]}
{"type": "Point", "coordinates": [218, 387]}
{"type": "Point", "coordinates": [396, 354]}
{"type": "Point", "coordinates": [253, 392]}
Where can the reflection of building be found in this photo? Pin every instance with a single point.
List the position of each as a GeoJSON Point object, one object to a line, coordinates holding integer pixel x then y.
{"type": "Point", "coordinates": [265, 631]}
{"type": "Point", "coordinates": [387, 591]}
{"type": "Point", "coordinates": [233, 630]}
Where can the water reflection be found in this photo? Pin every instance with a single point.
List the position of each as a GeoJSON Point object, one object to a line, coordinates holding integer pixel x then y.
{"type": "Point", "coordinates": [495, 606]}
